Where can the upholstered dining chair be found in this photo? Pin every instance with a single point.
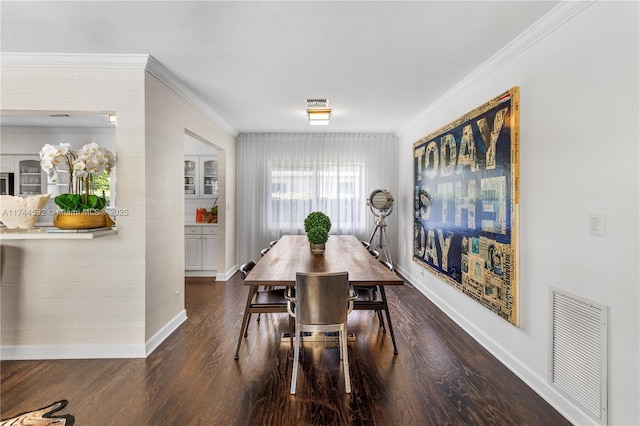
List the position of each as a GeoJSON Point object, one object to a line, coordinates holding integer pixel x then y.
{"type": "Point", "coordinates": [261, 301]}
{"type": "Point", "coordinates": [321, 303]}
{"type": "Point", "coordinates": [374, 298]}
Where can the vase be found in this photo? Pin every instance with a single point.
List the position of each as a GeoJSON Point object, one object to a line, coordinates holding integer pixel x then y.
{"type": "Point", "coordinates": [317, 248]}
{"type": "Point", "coordinates": [81, 220]}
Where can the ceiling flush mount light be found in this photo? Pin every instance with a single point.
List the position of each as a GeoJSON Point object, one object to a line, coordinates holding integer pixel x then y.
{"type": "Point", "coordinates": [112, 119]}
{"type": "Point", "coordinates": [318, 112]}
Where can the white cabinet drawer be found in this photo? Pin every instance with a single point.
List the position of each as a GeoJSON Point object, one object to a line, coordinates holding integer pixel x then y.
{"type": "Point", "coordinates": [192, 230]}
{"type": "Point", "coordinates": [210, 230]}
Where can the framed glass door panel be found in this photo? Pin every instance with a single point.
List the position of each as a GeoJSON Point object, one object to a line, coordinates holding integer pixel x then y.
{"type": "Point", "coordinates": [209, 179]}
{"type": "Point", "coordinates": [191, 177]}
{"type": "Point", "coordinates": [30, 179]}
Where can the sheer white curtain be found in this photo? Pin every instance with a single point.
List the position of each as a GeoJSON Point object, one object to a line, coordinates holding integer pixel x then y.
{"type": "Point", "coordinates": [284, 177]}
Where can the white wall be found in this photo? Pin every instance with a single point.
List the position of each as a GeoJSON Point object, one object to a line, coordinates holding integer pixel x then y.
{"type": "Point", "coordinates": [174, 118]}
{"type": "Point", "coordinates": [112, 296]}
{"type": "Point", "coordinates": [69, 298]}
{"type": "Point", "coordinates": [168, 117]}
{"type": "Point", "coordinates": [579, 154]}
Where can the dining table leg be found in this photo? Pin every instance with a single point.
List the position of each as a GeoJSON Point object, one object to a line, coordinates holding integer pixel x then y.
{"type": "Point", "coordinates": [386, 310]}
{"type": "Point", "coordinates": [245, 318]}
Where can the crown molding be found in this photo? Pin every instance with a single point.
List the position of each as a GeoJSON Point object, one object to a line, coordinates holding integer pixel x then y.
{"type": "Point", "coordinates": [551, 21]}
{"type": "Point", "coordinates": [73, 60]}
{"type": "Point", "coordinates": [128, 61]}
{"type": "Point", "coordinates": [161, 73]}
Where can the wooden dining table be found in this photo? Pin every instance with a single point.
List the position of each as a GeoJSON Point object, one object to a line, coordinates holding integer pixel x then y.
{"type": "Point", "coordinates": [291, 254]}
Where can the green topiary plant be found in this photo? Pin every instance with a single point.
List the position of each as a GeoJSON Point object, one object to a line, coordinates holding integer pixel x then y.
{"type": "Point", "coordinates": [315, 219]}
{"type": "Point", "coordinates": [317, 235]}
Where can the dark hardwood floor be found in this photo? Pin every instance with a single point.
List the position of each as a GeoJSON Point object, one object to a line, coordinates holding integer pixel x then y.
{"type": "Point", "coordinates": [440, 377]}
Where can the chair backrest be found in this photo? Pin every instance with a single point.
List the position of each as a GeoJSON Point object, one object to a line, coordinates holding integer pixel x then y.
{"type": "Point", "coordinates": [246, 267]}
{"type": "Point", "coordinates": [322, 298]}
{"type": "Point", "coordinates": [387, 264]}
{"type": "Point", "coordinates": [264, 250]}
{"type": "Point", "coordinates": [374, 253]}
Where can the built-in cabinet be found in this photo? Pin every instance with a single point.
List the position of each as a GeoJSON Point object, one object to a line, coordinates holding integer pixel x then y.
{"type": "Point", "coordinates": [29, 180]}
{"type": "Point", "coordinates": [200, 250]}
{"type": "Point", "coordinates": [28, 176]}
{"type": "Point", "coordinates": [200, 176]}
{"type": "Point", "coordinates": [209, 180]}
{"type": "Point", "coordinates": [191, 177]}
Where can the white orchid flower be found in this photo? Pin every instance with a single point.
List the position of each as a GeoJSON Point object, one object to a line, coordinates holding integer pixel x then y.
{"type": "Point", "coordinates": [78, 165]}
{"type": "Point", "coordinates": [88, 151]}
{"type": "Point", "coordinates": [80, 173]}
{"type": "Point", "coordinates": [90, 160]}
{"type": "Point", "coordinates": [92, 166]}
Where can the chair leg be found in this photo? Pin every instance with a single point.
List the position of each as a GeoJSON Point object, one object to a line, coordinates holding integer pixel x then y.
{"type": "Point", "coordinates": [386, 309]}
{"type": "Point", "coordinates": [245, 318]}
{"type": "Point", "coordinates": [291, 331]}
{"type": "Point", "coordinates": [296, 356]}
{"type": "Point", "coordinates": [345, 358]}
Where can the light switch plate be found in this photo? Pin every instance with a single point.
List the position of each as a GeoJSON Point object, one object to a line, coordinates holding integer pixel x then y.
{"type": "Point", "coordinates": [597, 224]}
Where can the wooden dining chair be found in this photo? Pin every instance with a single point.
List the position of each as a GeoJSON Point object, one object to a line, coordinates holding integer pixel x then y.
{"type": "Point", "coordinates": [261, 301]}
{"type": "Point", "coordinates": [322, 302]}
{"type": "Point", "coordinates": [374, 298]}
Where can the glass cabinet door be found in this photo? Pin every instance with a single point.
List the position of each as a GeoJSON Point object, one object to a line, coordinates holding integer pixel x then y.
{"type": "Point", "coordinates": [209, 179]}
{"type": "Point", "coordinates": [190, 178]}
{"type": "Point", "coordinates": [30, 177]}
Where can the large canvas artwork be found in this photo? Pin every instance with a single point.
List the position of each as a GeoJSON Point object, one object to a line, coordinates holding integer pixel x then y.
{"type": "Point", "coordinates": [466, 204]}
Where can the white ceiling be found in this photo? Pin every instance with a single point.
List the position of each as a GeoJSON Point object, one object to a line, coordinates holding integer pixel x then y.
{"type": "Point", "coordinates": [254, 63]}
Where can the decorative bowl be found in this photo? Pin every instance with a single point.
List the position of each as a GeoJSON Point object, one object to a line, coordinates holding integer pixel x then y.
{"type": "Point", "coordinates": [22, 213]}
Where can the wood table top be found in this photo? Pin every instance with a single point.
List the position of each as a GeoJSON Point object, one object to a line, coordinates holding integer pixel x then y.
{"type": "Point", "coordinates": [292, 254]}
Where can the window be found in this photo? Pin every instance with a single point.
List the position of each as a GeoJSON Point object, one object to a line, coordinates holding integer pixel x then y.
{"type": "Point", "coordinates": [298, 189]}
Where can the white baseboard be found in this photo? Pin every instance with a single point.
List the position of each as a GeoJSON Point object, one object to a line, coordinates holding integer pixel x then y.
{"type": "Point", "coordinates": [220, 276]}
{"type": "Point", "coordinates": [92, 351]}
{"type": "Point", "coordinates": [37, 352]}
{"type": "Point", "coordinates": [227, 275]}
{"type": "Point", "coordinates": [165, 332]}
{"type": "Point", "coordinates": [515, 365]}
{"type": "Point", "coordinates": [200, 274]}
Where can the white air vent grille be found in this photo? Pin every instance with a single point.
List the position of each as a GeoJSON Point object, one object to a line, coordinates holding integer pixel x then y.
{"type": "Point", "coordinates": [317, 103]}
{"type": "Point", "coordinates": [578, 358]}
